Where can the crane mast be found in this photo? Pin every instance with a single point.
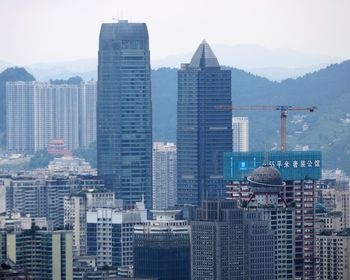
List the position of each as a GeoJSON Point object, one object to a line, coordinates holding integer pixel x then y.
{"type": "Point", "coordinates": [283, 115]}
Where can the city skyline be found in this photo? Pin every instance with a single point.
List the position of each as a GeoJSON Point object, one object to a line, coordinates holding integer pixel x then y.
{"type": "Point", "coordinates": [179, 186]}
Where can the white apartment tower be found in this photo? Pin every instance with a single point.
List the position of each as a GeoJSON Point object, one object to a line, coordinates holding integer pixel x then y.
{"type": "Point", "coordinates": [40, 112]}
{"type": "Point", "coordinates": [20, 116]}
{"type": "Point", "coordinates": [164, 175]}
{"type": "Point", "coordinates": [56, 113]}
{"type": "Point", "coordinates": [88, 101]}
{"type": "Point", "coordinates": [240, 134]}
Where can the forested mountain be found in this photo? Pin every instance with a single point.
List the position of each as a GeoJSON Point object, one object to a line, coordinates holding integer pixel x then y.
{"type": "Point", "coordinates": [328, 128]}
{"type": "Point", "coordinates": [9, 74]}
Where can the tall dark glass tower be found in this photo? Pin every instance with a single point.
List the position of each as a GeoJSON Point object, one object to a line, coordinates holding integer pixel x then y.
{"type": "Point", "coordinates": [124, 111]}
{"type": "Point", "coordinates": [204, 133]}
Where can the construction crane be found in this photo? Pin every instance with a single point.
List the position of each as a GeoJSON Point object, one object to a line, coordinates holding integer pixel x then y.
{"type": "Point", "coordinates": [284, 113]}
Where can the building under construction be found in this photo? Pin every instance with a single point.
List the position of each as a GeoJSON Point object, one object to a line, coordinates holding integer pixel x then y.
{"type": "Point", "coordinates": [300, 171]}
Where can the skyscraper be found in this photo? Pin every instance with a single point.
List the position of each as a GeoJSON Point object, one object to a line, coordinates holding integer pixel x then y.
{"type": "Point", "coordinates": [124, 111]}
{"type": "Point", "coordinates": [240, 134]}
{"type": "Point", "coordinates": [204, 133]}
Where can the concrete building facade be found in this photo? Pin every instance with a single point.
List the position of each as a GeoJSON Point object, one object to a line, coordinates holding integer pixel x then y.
{"type": "Point", "coordinates": [333, 256]}
{"type": "Point", "coordinates": [38, 113]}
{"type": "Point", "coordinates": [20, 116]}
{"type": "Point", "coordinates": [110, 234]}
{"type": "Point", "coordinates": [45, 254]}
{"type": "Point", "coordinates": [240, 134]}
{"type": "Point", "coordinates": [164, 175]}
{"type": "Point", "coordinates": [162, 247]}
{"type": "Point", "coordinates": [231, 243]}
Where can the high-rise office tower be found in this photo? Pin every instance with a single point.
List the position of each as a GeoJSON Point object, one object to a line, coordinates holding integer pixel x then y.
{"type": "Point", "coordinates": [204, 133]}
{"type": "Point", "coordinates": [124, 111]}
{"type": "Point", "coordinates": [164, 175]}
{"type": "Point", "coordinates": [240, 134]}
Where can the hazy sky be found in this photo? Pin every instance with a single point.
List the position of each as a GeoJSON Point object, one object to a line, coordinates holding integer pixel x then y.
{"type": "Point", "coordinates": [34, 31]}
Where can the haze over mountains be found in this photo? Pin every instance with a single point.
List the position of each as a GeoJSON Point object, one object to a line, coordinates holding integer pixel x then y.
{"type": "Point", "coordinates": [274, 64]}
{"type": "Point", "coordinates": [327, 129]}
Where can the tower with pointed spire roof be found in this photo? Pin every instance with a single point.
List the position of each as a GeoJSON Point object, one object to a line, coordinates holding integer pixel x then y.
{"type": "Point", "coordinates": [203, 132]}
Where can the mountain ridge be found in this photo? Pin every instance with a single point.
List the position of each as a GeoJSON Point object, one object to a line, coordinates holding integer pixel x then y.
{"type": "Point", "coordinates": [273, 63]}
{"type": "Point", "coordinates": [327, 129]}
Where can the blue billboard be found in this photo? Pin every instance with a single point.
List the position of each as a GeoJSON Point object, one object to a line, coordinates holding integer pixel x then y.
{"type": "Point", "coordinates": [292, 165]}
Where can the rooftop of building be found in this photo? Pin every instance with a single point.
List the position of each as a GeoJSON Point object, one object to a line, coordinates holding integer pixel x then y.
{"type": "Point", "coordinates": [204, 57]}
{"type": "Point", "coordinates": [342, 233]}
{"type": "Point", "coordinates": [123, 30]}
{"type": "Point", "coordinates": [266, 175]}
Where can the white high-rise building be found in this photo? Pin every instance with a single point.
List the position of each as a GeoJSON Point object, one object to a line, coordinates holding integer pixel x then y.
{"type": "Point", "coordinates": [88, 101]}
{"type": "Point", "coordinates": [40, 112]}
{"type": "Point", "coordinates": [164, 175]}
{"type": "Point", "coordinates": [20, 116]}
{"type": "Point", "coordinates": [240, 133]}
{"type": "Point", "coordinates": [56, 111]}
{"type": "Point", "coordinates": [66, 114]}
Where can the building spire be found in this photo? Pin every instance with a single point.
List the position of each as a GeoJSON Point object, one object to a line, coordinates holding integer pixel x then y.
{"type": "Point", "coordinates": [204, 57]}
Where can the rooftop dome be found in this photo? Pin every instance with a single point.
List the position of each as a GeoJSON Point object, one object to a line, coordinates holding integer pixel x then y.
{"type": "Point", "coordinates": [266, 177]}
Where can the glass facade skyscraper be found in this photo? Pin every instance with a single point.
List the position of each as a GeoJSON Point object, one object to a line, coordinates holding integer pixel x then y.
{"type": "Point", "coordinates": [204, 133]}
{"type": "Point", "coordinates": [124, 111]}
